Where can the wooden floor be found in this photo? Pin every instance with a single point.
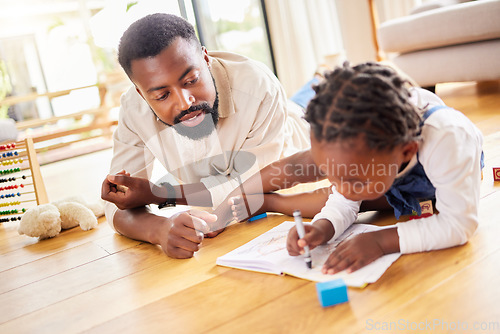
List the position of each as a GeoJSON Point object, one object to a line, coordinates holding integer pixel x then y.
{"type": "Point", "coordinates": [100, 282]}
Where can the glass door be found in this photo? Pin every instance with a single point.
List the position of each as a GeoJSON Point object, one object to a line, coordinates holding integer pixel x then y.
{"type": "Point", "coordinates": [235, 26]}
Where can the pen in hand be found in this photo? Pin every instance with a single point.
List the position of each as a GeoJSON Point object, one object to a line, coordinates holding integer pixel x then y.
{"type": "Point", "coordinates": [301, 231]}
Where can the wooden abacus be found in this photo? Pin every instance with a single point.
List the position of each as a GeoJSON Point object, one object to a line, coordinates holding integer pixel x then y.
{"type": "Point", "coordinates": [21, 183]}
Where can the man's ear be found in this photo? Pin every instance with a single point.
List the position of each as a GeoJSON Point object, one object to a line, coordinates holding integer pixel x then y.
{"type": "Point", "coordinates": [205, 55]}
{"type": "Point", "coordinates": [409, 150]}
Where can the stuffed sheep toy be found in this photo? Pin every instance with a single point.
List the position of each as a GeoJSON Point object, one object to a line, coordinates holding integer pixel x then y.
{"type": "Point", "coordinates": [47, 220]}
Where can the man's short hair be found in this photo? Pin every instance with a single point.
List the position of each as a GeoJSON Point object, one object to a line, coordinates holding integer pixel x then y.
{"type": "Point", "coordinates": [148, 36]}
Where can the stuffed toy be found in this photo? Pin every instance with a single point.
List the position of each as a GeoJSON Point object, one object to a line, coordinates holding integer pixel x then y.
{"type": "Point", "coordinates": [47, 220]}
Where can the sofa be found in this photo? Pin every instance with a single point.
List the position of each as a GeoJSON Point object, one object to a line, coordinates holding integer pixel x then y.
{"type": "Point", "coordinates": [445, 41]}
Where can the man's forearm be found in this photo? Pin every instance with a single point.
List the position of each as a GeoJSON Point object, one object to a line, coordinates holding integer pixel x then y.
{"type": "Point", "coordinates": [193, 194]}
{"type": "Point", "coordinates": [139, 224]}
{"type": "Point", "coordinates": [282, 174]}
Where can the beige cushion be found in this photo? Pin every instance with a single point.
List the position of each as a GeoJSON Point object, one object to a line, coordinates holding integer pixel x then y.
{"type": "Point", "coordinates": [462, 23]}
{"type": "Point", "coordinates": [479, 61]}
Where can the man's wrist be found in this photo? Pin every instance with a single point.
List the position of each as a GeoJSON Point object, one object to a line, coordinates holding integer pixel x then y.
{"type": "Point", "coordinates": [159, 228]}
{"type": "Point", "coordinates": [171, 196]}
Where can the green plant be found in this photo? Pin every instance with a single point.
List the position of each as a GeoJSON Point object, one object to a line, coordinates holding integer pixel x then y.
{"type": "Point", "coordinates": [131, 4]}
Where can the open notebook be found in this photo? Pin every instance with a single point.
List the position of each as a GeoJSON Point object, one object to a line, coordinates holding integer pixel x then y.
{"type": "Point", "coordinates": [267, 253]}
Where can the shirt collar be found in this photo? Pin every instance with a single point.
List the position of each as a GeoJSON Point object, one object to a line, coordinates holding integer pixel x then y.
{"type": "Point", "coordinates": [219, 73]}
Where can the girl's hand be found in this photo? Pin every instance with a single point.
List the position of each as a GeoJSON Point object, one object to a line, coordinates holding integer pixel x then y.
{"type": "Point", "coordinates": [353, 254]}
{"type": "Point", "coordinates": [313, 237]}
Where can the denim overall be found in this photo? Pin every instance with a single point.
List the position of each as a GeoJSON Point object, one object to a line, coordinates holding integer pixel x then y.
{"type": "Point", "coordinates": [408, 191]}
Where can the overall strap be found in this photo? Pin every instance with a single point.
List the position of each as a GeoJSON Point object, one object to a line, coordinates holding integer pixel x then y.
{"type": "Point", "coordinates": [430, 111]}
{"type": "Point", "coordinates": [427, 114]}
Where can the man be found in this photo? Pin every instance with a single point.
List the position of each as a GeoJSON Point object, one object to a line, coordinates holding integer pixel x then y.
{"type": "Point", "coordinates": [211, 119]}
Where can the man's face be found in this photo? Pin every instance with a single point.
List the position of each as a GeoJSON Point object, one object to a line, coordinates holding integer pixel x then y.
{"type": "Point", "coordinates": [179, 87]}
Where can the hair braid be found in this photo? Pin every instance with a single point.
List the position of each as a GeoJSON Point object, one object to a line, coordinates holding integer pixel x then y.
{"type": "Point", "coordinates": [369, 99]}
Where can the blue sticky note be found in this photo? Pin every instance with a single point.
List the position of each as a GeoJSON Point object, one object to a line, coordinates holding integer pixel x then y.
{"type": "Point", "coordinates": [332, 292]}
{"type": "Point", "coordinates": [262, 215]}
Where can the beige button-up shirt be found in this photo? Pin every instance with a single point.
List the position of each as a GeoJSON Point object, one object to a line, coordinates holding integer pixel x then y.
{"type": "Point", "coordinates": [257, 125]}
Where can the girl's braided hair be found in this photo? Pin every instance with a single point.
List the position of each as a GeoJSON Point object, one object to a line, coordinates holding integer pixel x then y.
{"type": "Point", "coordinates": [369, 99]}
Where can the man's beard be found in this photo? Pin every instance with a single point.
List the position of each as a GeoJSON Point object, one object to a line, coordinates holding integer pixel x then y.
{"type": "Point", "coordinates": [202, 130]}
{"type": "Point", "coordinates": [207, 125]}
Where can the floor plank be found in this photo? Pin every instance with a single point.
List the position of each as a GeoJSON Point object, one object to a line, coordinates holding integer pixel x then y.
{"type": "Point", "coordinates": [49, 266]}
{"type": "Point", "coordinates": [70, 283]}
{"type": "Point", "coordinates": [25, 250]}
{"type": "Point", "coordinates": [140, 286]}
{"type": "Point", "coordinates": [467, 301]}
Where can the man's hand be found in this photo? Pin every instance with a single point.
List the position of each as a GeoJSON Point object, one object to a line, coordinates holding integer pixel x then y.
{"type": "Point", "coordinates": [128, 192]}
{"type": "Point", "coordinates": [181, 237]}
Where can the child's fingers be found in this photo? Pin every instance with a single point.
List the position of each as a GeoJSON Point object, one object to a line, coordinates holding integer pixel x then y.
{"type": "Point", "coordinates": [355, 266]}
{"type": "Point", "coordinates": [200, 227]}
{"type": "Point", "coordinates": [233, 200]}
{"type": "Point", "coordinates": [238, 208]}
{"type": "Point", "coordinates": [206, 216]}
{"type": "Point", "coordinates": [312, 238]}
{"type": "Point", "coordinates": [291, 242]}
{"type": "Point", "coordinates": [336, 262]}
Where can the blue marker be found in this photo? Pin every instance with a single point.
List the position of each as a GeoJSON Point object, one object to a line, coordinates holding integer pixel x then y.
{"type": "Point", "coordinates": [254, 218]}
{"type": "Point", "coordinates": [302, 232]}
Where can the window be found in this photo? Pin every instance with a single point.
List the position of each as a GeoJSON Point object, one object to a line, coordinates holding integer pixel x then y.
{"type": "Point", "coordinates": [67, 44]}
{"type": "Point", "coordinates": [235, 26]}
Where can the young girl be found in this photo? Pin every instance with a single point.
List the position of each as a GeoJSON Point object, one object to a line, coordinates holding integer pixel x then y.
{"type": "Point", "coordinates": [384, 144]}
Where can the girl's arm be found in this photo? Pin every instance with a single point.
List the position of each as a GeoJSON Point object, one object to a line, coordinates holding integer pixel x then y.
{"type": "Point", "coordinates": [339, 211]}
{"type": "Point", "coordinates": [450, 155]}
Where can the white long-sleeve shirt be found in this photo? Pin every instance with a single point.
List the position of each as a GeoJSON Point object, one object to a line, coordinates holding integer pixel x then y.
{"type": "Point", "coordinates": [257, 126]}
{"type": "Point", "coordinates": [450, 154]}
